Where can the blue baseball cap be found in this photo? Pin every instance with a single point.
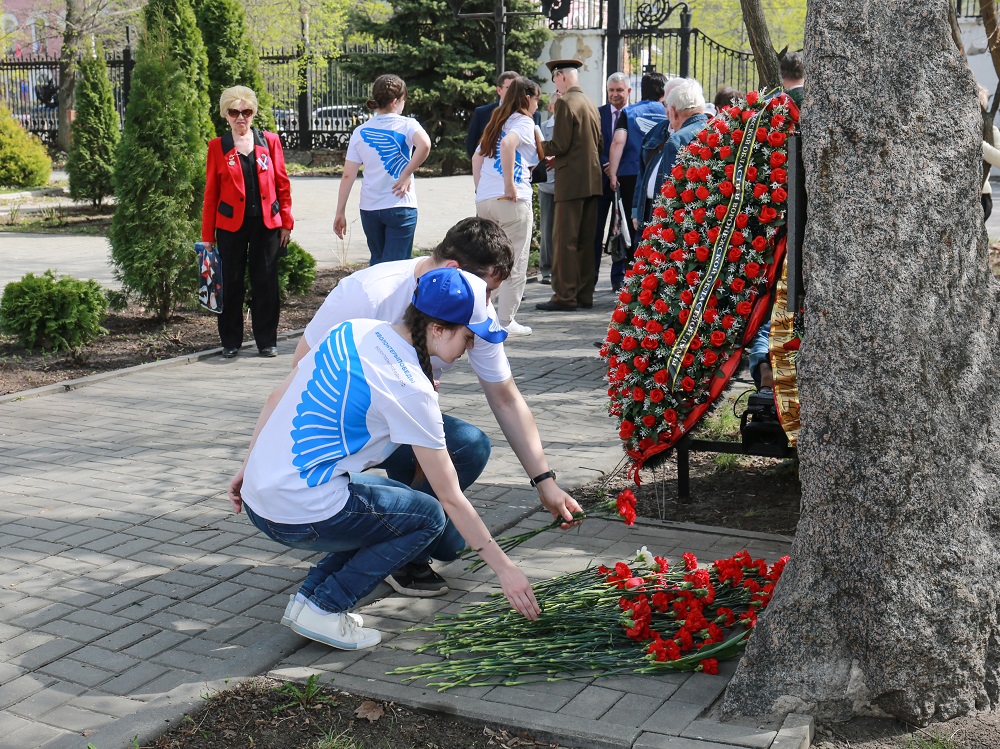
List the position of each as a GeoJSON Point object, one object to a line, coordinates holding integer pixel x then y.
{"type": "Point", "coordinates": [459, 297]}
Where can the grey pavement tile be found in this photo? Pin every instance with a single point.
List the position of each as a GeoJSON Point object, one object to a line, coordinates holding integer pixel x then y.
{"type": "Point", "coordinates": [673, 717]}
{"type": "Point", "coordinates": [700, 689]}
{"type": "Point", "coordinates": [650, 740]}
{"type": "Point", "coordinates": [106, 659]}
{"type": "Point", "coordinates": [22, 687]}
{"type": "Point", "coordinates": [649, 685]}
{"type": "Point", "coordinates": [10, 723]}
{"type": "Point", "coordinates": [45, 700]}
{"type": "Point", "coordinates": [68, 630]}
{"type": "Point", "coordinates": [75, 719]}
{"type": "Point", "coordinates": [107, 704]}
{"type": "Point", "coordinates": [165, 682]}
{"type": "Point", "coordinates": [523, 697]}
{"type": "Point", "coordinates": [730, 733]}
{"type": "Point", "coordinates": [633, 710]}
{"type": "Point", "coordinates": [125, 637]}
{"type": "Point", "coordinates": [118, 601]}
{"type": "Point", "coordinates": [155, 644]}
{"type": "Point", "coordinates": [593, 702]}
{"type": "Point", "coordinates": [36, 736]}
{"type": "Point", "coordinates": [128, 683]}
{"type": "Point", "coordinates": [42, 615]}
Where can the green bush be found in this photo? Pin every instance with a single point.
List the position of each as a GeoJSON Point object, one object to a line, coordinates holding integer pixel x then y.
{"type": "Point", "coordinates": [91, 159]}
{"type": "Point", "coordinates": [158, 166]}
{"type": "Point", "coordinates": [296, 272]}
{"type": "Point", "coordinates": [23, 159]}
{"type": "Point", "coordinates": [53, 314]}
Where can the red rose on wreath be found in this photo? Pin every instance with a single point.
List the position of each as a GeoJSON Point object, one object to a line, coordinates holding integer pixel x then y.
{"type": "Point", "coordinates": [668, 234]}
{"type": "Point", "coordinates": [629, 343]}
{"type": "Point", "coordinates": [645, 297]}
{"type": "Point", "coordinates": [752, 270]}
{"type": "Point", "coordinates": [687, 384]}
{"type": "Point", "coordinates": [669, 336]}
{"type": "Point", "coordinates": [660, 212]}
{"type": "Point", "coordinates": [626, 430]}
{"type": "Point", "coordinates": [759, 244]}
{"type": "Point", "coordinates": [779, 195]}
{"type": "Point", "coordinates": [710, 358]}
{"type": "Point", "coordinates": [660, 377]}
{"type": "Point", "coordinates": [649, 420]}
{"type": "Point", "coordinates": [752, 97]}
{"type": "Point", "coordinates": [670, 416]}
{"type": "Point", "coordinates": [779, 175]}
{"type": "Point", "coordinates": [726, 189]}
{"type": "Point", "coordinates": [737, 285]}
{"type": "Point", "coordinates": [614, 336]}
{"type": "Point", "coordinates": [717, 338]}
{"type": "Point", "coordinates": [767, 214]}
{"type": "Point", "coordinates": [656, 395]}
{"type": "Point", "coordinates": [619, 315]}
{"type": "Point", "coordinates": [728, 320]}
{"type": "Point", "coordinates": [777, 159]}
{"type": "Point", "coordinates": [776, 139]}
{"type": "Point", "coordinates": [638, 394]}
{"type": "Point", "coordinates": [692, 278]}
{"type": "Point", "coordinates": [759, 190]}
{"type": "Point", "coordinates": [720, 211]}
{"type": "Point", "coordinates": [743, 309]}
{"type": "Point", "coordinates": [742, 220]}
{"type": "Point", "coordinates": [734, 254]}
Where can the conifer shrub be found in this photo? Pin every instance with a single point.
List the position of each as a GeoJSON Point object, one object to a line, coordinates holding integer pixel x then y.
{"type": "Point", "coordinates": [91, 160]}
{"type": "Point", "coordinates": [43, 312]}
{"type": "Point", "coordinates": [232, 59]}
{"type": "Point", "coordinates": [296, 272]}
{"type": "Point", "coordinates": [157, 168]}
{"type": "Point", "coordinates": [24, 161]}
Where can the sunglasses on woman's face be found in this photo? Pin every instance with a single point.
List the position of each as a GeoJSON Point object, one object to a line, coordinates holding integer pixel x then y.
{"type": "Point", "coordinates": [234, 113]}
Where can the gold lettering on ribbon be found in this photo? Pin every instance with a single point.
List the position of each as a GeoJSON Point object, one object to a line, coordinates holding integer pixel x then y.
{"type": "Point", "coordinates": [719, 250]}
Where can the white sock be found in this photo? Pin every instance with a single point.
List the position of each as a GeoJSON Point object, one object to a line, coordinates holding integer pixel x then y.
{"type": "Point", "coordinates": [318, 610]}
{"type": "Point", "coordinates": [299, 598]}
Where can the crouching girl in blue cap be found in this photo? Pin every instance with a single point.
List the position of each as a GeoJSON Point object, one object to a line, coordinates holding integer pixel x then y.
{"type": "Point", "coordinates": [353, 399]}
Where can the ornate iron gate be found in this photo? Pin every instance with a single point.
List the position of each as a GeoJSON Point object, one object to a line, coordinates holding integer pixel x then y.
{"type": "Point", "coordinates": [655, 35]}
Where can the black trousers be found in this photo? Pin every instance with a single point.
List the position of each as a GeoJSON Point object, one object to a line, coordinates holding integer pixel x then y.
{"type": "Point", "coordinates": [254, 246]}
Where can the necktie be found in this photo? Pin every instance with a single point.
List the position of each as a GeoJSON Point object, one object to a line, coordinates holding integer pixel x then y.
{"type": "Point", "coordinates": [614, 117]}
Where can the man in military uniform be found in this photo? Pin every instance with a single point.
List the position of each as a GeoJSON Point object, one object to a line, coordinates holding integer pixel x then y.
{"type": "Point", "coordinates": [575, 146]}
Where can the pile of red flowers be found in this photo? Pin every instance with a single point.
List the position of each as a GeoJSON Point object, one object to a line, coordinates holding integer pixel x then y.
{"type": "Point", "coordinates": [684, 621]}
{"type": "Point", "coordinates": [712, 246]}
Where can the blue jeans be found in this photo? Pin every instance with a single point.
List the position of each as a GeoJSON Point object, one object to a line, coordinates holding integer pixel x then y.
{"type": "Point", "coordinates": [389, 232]}
{"type": "Point", "coordinates": [759, 351]}
{"type": "Point", "coordinates": [383, 526]}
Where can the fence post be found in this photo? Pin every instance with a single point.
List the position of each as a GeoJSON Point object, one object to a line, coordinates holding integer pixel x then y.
{"type": "Point", "coordinates": [614, 36]}
{"type": "Point", "coordinates": [305, 116]}
{"type": "Point", "coordinates": [127, 63]}
{"type": "Point", "coordinates": [685, 71]}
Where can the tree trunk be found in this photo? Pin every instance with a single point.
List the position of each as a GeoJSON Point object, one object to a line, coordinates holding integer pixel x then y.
{"type": "Point", "coordinates": [988, 10]}
{"type": "Point", "coordinates": [890, 602]}
{"type": "Point", "coordinates": [760, 42]}
{"type": "Point", "coordinates": [67, 72]}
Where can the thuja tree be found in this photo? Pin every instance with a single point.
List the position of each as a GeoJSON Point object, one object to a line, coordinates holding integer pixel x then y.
{"type": "Point", "coordinates": [448, 64]}
{"type": "Point", "coordinates": [157, 169]}
{"type": "Point", "coordinates": [91, 159]}
{"type": "Point", "coordinates": [232, 59]}
{"type": "Point", "coordinates": [891, 598]}
{"type": "Point", "coordinates": [179, 27]}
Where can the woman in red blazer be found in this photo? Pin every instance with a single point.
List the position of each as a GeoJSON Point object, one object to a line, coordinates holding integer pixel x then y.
{"type": "Point", "coordinates": [247, 213]}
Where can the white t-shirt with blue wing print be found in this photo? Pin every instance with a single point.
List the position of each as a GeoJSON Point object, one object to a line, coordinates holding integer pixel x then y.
{"type": "Point", "coordinates": [383, 145]}
{"type": "Point", "coordinates": [525, 158]}
{"type": "Point", "coordinates": [354, 399]}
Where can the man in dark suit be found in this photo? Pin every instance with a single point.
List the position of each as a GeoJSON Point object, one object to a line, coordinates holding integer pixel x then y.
{"type": "Point", "coordinates": [619, 90]}
{"type": "Point", "coordinates": [793, 76]}
{"type": "Point", "coordinates": [481, 116]}
{"type": "Point", "coordinates": [576, 147]}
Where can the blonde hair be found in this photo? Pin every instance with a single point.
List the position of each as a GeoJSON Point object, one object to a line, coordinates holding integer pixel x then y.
{"type": "Point", "coordinates": [234, 94]}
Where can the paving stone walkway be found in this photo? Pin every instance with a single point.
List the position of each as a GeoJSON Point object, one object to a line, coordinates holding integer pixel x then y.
{"type": "Point", "coordinates": [128, 589]}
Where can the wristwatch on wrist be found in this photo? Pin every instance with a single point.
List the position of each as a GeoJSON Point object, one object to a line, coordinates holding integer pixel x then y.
{"type": "Point", "coordinates": [542, 477]}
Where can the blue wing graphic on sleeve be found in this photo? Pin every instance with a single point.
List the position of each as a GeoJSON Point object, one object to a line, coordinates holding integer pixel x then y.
{"type": "Point", "coordinates": [390, 147]}
{"type": "Point", "coordinates": [330, 421]}
{"type": "Point", "coordinates": [518, 164]}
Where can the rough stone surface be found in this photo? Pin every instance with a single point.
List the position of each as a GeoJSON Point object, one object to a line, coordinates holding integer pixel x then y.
{"type": "Point", "coordinates": [889, 602]}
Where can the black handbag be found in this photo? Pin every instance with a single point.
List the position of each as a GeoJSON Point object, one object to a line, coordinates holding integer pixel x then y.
{"type": "Point", "coordinates": [619, 242]}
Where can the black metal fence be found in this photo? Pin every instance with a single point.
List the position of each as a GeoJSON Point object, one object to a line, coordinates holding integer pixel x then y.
{"type": "Point", "coordinates": [646, 36]}
{"type": "Point", "coordinates": [29, 86]}
{"type": "Point", "coordinates": [967, 8]}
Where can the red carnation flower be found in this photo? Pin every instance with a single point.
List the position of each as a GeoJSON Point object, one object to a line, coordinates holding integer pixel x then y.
{"type": "Point", "coordinates": [709, 665]}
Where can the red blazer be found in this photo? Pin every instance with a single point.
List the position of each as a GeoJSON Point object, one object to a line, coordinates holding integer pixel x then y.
{"type": "Point", "coordinates": [225, 194]}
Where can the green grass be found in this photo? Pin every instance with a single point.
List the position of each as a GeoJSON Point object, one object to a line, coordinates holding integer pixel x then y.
{"type": "Point", "coordinates": [720, 424]}
{"type": "Point", "coordinates": [930, 742]}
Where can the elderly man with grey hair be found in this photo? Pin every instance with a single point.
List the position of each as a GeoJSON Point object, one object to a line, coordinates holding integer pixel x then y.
{"type": "Point", "coordinates": [685, 117]}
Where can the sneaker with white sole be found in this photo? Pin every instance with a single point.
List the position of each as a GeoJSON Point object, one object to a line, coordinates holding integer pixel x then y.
{"type": "Point", "coordinates": [338, 630]}
{"type": "Point", "coordinates": [295, 605]}
{"type": "Point", "coordinates": [417, 579]}
{"type": "Point", "coordinates": [515, 328]}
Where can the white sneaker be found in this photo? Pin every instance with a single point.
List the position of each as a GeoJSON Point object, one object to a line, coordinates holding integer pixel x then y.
{"type": "Point", "coordinates": [295, 606]}
{"type": "Point", "coordinates": [515, 328]}
{"type": "Point", "coordinates": [338, 630]}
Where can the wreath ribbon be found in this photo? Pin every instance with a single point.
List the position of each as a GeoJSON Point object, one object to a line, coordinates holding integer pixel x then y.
{"type": "Point", "coordinates": [719, 249]}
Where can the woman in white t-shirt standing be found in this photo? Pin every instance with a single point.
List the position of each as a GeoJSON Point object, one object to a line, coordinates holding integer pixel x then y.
{"type": "Point", "coordinates": [365, 389]}
{"type": "Point", "coordinates": [390, 147]}
{"type": "Point", "coordinates": [501, 167]}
